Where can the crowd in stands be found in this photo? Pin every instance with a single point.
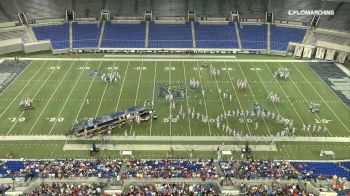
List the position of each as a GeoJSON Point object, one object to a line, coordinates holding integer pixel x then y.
{"type": "Point", "coordinates": [203, 169]}
{"type": "Point", "coordinates": [252, 169]}
{"type": "Point", "coordinates": [273, 189]}
{"type": "Point", "coordinates": [64, 189]}
{"type": "Point", "coordinates": [66, 168]}
{"type": "Point", "coordinates": [172, 189]}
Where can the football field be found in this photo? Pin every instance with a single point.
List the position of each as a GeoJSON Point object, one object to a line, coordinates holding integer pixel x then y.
{"type": "Point", "coordinates": [65, 91]}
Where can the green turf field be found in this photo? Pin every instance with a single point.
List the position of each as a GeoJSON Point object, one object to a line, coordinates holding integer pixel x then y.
{"type": "Point", "coordinates": [64, 91]}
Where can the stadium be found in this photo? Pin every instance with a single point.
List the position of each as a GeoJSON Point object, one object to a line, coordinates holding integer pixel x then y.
{"type": "Point", "coordinates": [174, 97]}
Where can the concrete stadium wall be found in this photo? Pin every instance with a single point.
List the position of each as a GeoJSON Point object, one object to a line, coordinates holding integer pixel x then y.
{"type": "Point", "coordinates": [37, 46]}
{"type": "Point", "coordinates": [11, 45]}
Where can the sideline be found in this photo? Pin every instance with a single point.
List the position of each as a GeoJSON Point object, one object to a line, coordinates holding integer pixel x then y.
{"type": "Point", "coordinates": [164, 58]}
{"type": "Point", "coordinates": [176, 138]}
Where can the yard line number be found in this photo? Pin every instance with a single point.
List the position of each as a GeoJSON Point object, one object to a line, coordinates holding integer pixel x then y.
{"type": "Point", "coordinates": [86, 68]}
{"type": "Point", "coordinates": [55, 67]}
{"type": "Point", "coordinates": [248, 120]}
{"type": "Point", "coordinates": [15, 119]}
{"type": "Point", "coordinates": [255, 69]}
{"type": "Point", "coordinates": [54, 119]}
{"type": "Point", "coordinates": [325, 121]}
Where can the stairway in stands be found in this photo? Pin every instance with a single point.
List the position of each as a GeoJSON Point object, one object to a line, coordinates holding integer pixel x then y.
{"type": "Point", "coordinates": [70, 35]}
{"type": "Point", "coordinates": [147, 33]}
{"type": "Point", "coordinates": [238, 35]}
{"type": "Point", "coordinates": [268, 36]}
{"type": "Point", "coordinates": [307, 36]}
{"type": "Point", "coordinates": [102, 30]}
{"type": "Point", "coordinates": [193, 35]}
{"type": "Point", "coordinates": [30, 32]}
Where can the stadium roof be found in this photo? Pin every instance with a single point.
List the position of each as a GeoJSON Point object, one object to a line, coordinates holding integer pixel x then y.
{"type": "Point", "coordinates": [39, 9]}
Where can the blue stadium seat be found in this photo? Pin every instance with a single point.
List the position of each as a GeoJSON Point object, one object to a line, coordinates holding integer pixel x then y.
{"type": "Point", "coordinates": [215, 36]}
{"type": "Point", "coordinates": [327, 169]}
{"type": "Point", "coordinates": [253, 36]}
{"type": "Point", "coordinates": [58, 34]}
{"type": "Point", "coordinates": [281, 36]}
{"type": "Point", "coordinates": [124, 35]}
{"type": "Point", "coordinates": [85, 35]}
{"type": "Point", "coordinates": [170, 35]}
{"type": "Point", "coordinates": [13, 166]}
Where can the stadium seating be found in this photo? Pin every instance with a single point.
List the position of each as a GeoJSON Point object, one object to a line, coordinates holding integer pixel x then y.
{"type": "Point", "coordinates": [58, 34]}
{"type": "Point", "coordinates": [253, 169]}
{"type": "Point", "coordinates": [60, 168]}
{"type": "Point", "coordinates": [85, 35]}
{"type": "Point", "coordinates": [170, 35]}
{"type": "Point", "coordinates": [65, 188]}
{"type": "Point", "coordinates": [327, 169]}
{"type": "Point", "coordinates": [215, 36]}
{"type": "Point", "coordinates": [253, 36]}
{"type": "Point", "coordinates": [170, 169]}
{"type": "Point", "coordinates": [333, 38]}
{"type": "Point", "coordinates": [172, 189]}
{"type": "Point", "coordinates": [124, 35]}
{"type": "Point", "coordinates": [15, 34]}
{"type": "Point", "coordinates": [9, 167]}
{"type": "Point", "coordinates": [280, 36]}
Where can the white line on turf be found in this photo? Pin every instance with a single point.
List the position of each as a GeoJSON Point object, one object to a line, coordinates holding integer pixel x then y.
{"type": "Point", "coordinates": [70, 93]}
{"type": "Point", "coordinates": [87, 92]}
{"type": "Point", "coordinates": [47, 103]}
{"type": "Point", "coordinates": [103, 94]}
{"type": "Point", "coordinates": [170, 108]}
{"type": "Point", "coordinates": [137, 91]}
{"type": "Point", "coordinates": [42, 85]}
{"type": "Point", "coordinates": [285, 94]}
{"type": "Point", "coordinates": [9, 105]}
{"type": "Point", "coordinates": [188, 115]}
{"type": "Point", "coordinates": [222, 103]}
{"type": "Point", "coordinates": [304, 99]}
{"type": "Point", "coordinates": [121, 88]}
{"type": "Point", "coordinates": [234, 89]}
{"type": "Point", "coordinates": [205, 103]}
{"type": "Point", "coordinates": [322, 98]}
{"type": "Point", "coordinates": [251, 91]}
{"type": "Point", "coordinates": [154, 88]}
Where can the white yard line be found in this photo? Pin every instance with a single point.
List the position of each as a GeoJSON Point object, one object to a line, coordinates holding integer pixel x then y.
{"type": "Point", "coordinates": [154, 87]}
{"type": "Point", "coordinates": [274, 103]}
{"type": "Point", "coordinates": [322, 98]}
{"type": "Point", "coordinates": [121, 88]}
{"type": "Point", "coordinates": [234, 89]}
{"type": "Point", "coordinates": [47, 103]}
{"type": "Point", "coordinates": [170, 108]}
{"type": "Point", "coordinates": [222, 103]}
{"type": "Point", "coordinates": [188, 116]}
{"type": "Point", "coordinates": [251, 91]}
{"type": "Point", "coordinates": [87, 92]}
{"type": "Point", "coordinates": [70, 93]}
{"type": "Point", "coordinates": [137, 91]}
{"type": "Point", "coordinates": [205, 103]}
{"type": "Point", "coordinates": [304, 99]}
{"type": "Point", "coordinates": [42, 85]}
{"type": "Point", "coordinates": [285, 94]}
{"type": "Point", "coordinates": [9, 105]}
{"type": "Point", "coordinates": [103, 94]}
{"type": "Point", "coordinates": [16, 78]}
